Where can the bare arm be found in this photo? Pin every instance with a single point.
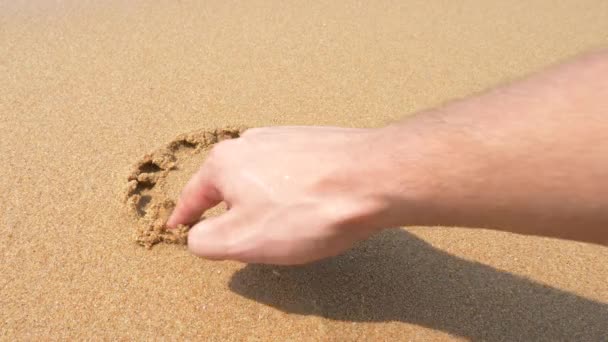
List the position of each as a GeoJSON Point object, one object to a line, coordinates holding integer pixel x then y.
{"type": "Point", "coordinates": [529, 158]}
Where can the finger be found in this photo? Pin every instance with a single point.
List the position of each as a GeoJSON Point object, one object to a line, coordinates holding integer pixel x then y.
{"type": "Point", "coordinates": [198, 195]}
{"type": "Point", "coordinates": [212, 237]}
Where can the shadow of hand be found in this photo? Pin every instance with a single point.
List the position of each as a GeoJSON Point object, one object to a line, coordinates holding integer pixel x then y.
{"type": "Point", "coordinates": [398, 277]}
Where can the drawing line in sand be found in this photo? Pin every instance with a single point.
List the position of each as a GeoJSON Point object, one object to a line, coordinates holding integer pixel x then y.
{"type": "Point", "coordinates": [146, 196]}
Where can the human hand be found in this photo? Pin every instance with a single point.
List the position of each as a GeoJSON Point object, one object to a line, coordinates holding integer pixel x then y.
{"type": "Point", "coordinates": [295, 195]}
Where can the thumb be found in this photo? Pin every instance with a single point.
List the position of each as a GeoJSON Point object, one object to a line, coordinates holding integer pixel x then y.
{"type": "Point", "coordinates": [212, 238]}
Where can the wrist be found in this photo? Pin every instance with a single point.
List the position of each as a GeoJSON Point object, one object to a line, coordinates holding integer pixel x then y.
{"type": "Point", "coordinates": [423, 164]}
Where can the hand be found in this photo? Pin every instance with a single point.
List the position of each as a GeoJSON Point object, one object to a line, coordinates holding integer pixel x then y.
{"type": "Point", "coordinates": [295, 195]}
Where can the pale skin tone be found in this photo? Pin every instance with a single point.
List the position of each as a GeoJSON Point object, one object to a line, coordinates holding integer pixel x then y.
{"type": "Point", "coordinates": [528, 158]}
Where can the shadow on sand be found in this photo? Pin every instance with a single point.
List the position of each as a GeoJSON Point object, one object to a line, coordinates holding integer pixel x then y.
{"type": "Point", "coordinates": [398, 277]}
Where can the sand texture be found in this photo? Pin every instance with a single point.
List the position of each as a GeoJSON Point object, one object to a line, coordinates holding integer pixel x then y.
{"type": "Point", "coordinates": [88, 88]}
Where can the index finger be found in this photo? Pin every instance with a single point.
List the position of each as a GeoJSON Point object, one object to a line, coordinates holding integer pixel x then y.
{"type": "Point", "coordinates": [199, 195]}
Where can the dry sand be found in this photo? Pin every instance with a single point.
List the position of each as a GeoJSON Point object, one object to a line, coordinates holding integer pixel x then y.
{"type": "Point", "coordinates": [87, 89]}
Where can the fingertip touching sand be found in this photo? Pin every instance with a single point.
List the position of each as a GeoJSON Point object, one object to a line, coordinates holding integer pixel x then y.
{"type": "Point", "coordinates": [148, 194]}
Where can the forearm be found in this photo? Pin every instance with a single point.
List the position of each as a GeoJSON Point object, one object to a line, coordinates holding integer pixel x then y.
{"type": "Point", "coordinates": [531, 157]}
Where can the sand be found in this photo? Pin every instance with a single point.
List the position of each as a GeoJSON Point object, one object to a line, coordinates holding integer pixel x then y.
{"type": "Point", "coordinates": [89, 88]}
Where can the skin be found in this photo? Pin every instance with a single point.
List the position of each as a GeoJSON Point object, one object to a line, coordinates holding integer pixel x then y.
{"type": "Point", "coordinates": [529, 158]}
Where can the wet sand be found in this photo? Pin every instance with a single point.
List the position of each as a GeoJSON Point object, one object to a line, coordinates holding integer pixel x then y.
{"type": "Point", "coordinates": [87, 90]}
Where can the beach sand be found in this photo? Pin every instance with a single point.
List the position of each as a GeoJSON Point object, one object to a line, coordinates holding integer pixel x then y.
{"type": "Point", "coordinates": [87, 89]}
